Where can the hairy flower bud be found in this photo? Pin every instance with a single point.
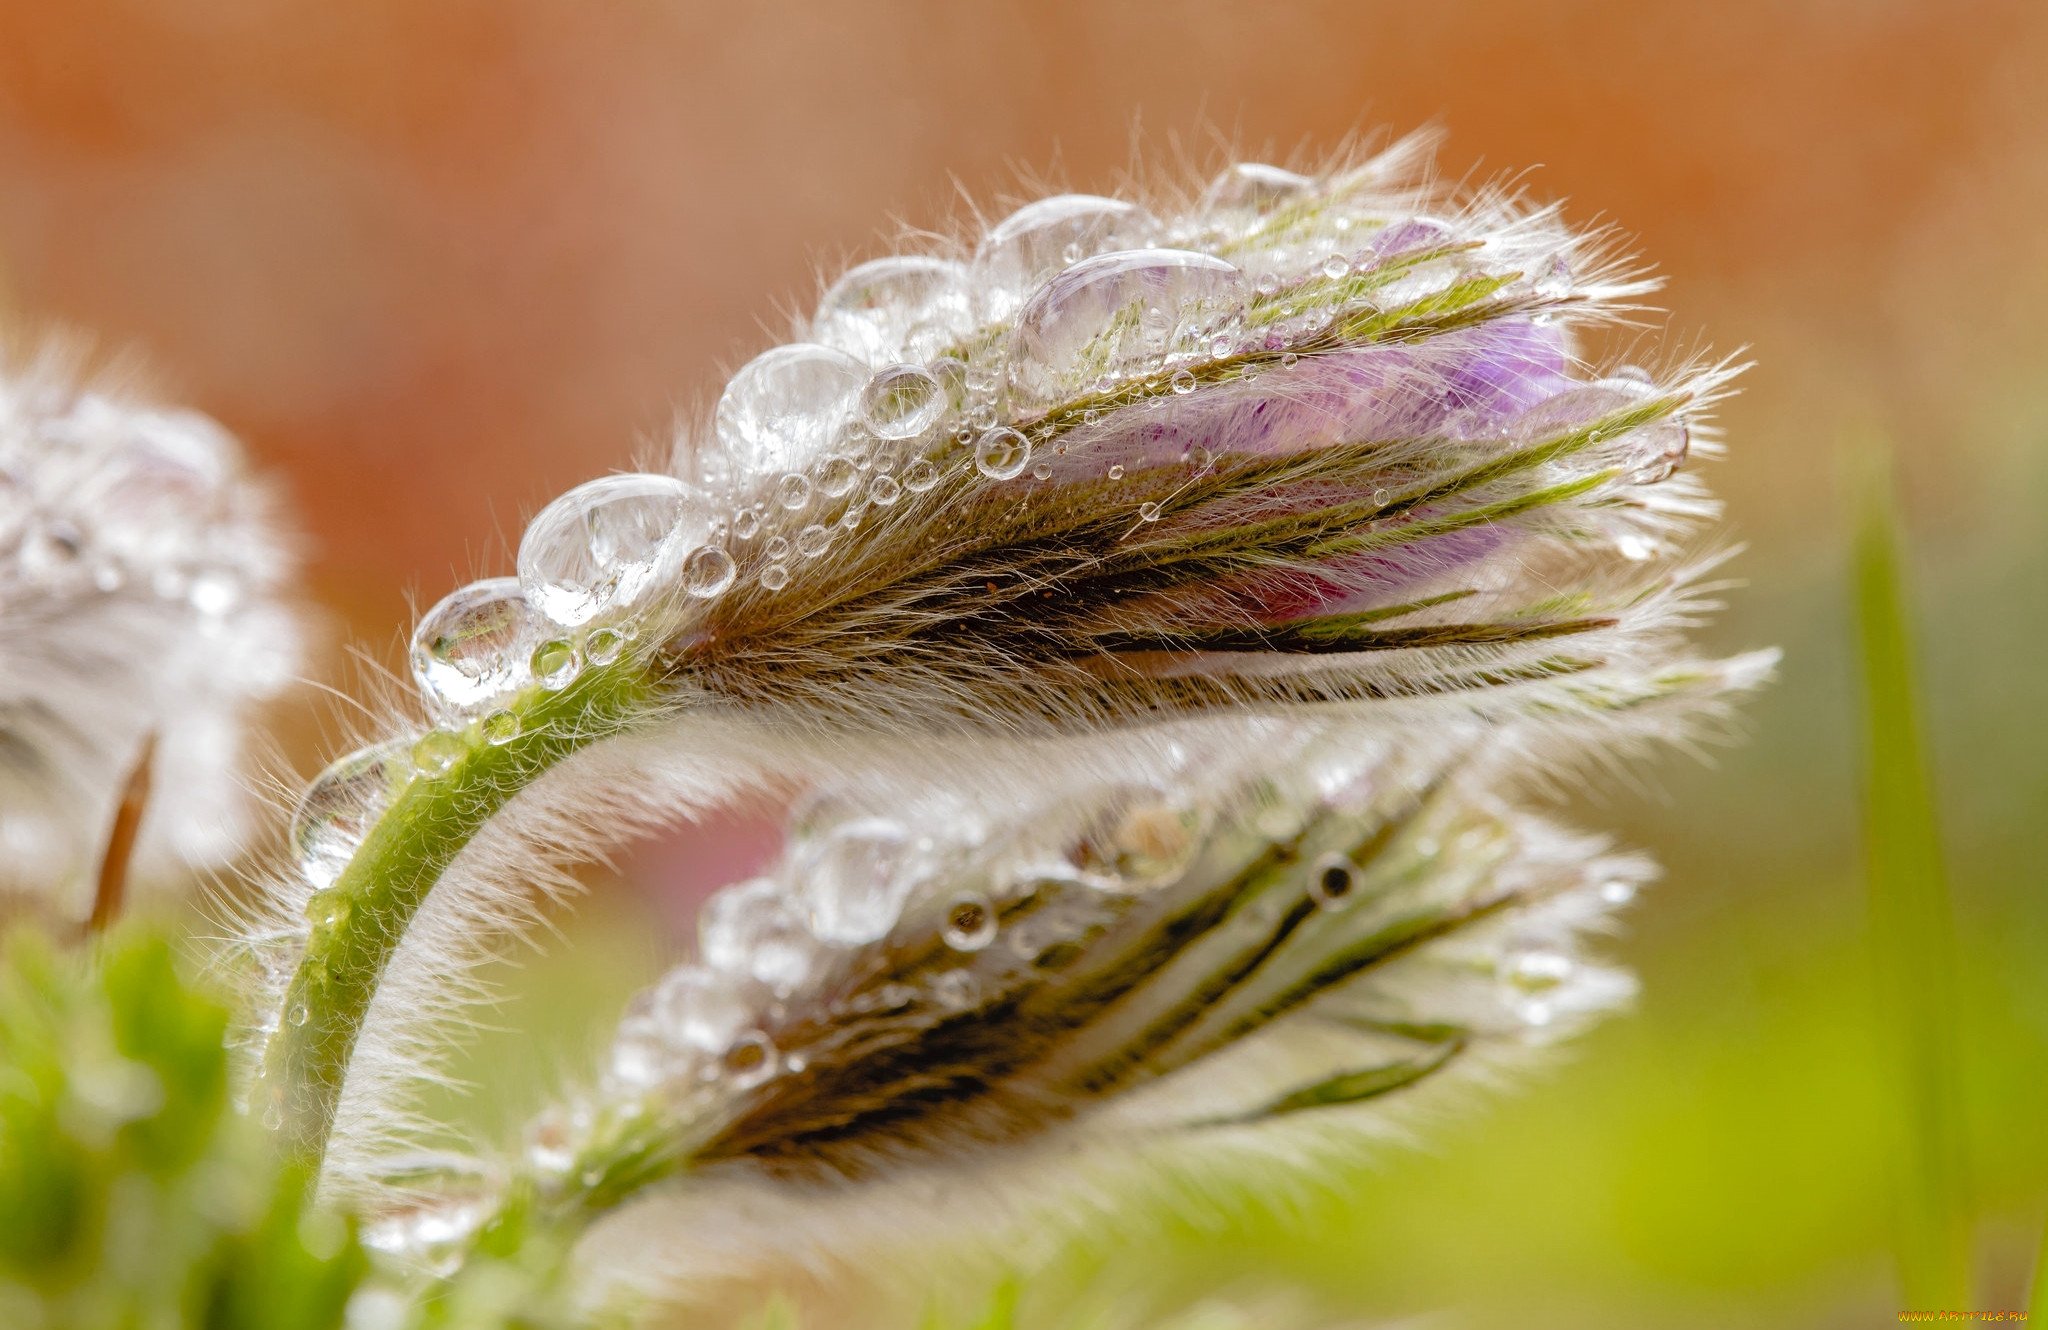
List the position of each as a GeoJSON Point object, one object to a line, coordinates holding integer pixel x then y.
{"type": "Point", "coordinates": [139, 576]}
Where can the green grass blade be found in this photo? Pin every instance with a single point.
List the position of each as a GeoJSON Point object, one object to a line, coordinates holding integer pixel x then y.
{"type": "Point", "coordinates": [1912, 932]}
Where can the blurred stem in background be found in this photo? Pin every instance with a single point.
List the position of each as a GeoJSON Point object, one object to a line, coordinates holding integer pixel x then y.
{"type": "Point", "coordinates": [1912, 931]}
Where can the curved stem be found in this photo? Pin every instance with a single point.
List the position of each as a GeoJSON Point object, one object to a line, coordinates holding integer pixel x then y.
{"type": "Point", "coordinates": [360, 920]}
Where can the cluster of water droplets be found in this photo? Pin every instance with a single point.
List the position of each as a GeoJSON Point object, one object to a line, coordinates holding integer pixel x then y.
{"type": "Point", "coordinates": [596, 569]}
{"type": "Point", "coordinates": [920, 365]}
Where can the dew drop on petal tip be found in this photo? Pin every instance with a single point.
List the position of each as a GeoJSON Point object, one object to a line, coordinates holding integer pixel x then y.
{"type": "Point", "coordinates": [608, 544]}
{"type": "Point", "coordinates": [472, 646]}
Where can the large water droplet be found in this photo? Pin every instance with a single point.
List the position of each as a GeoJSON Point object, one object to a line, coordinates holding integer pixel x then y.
{"type": "Point", "coordinates": [1257, 188]}
{"type": "Point", "coordinates": [756, 929]}
{"type": "Point", "coordinates": [785, 407]}
{"type": "Point", "coordinates": [342, 804]}
{"type": "Point", "coordinates": [1040, 238]}
{"type": "Point", "coordinates": [904, 307]}
{"type": "Point", "coordinates": [1119, 314]}
{"type": "Point", "coordinates": [472, 647]}
{"type": "Point", "coordinates": [700, 1009]}
{"type": "Point", "coordinates": [901, 402]}
{"type": "Point", "coordinates": [853, 879]}
{"type": "Point", "coordinates": [608, 545]}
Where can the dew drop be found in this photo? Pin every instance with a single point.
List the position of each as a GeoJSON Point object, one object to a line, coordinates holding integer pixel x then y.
{"type": "Point", "coordinates": [1125, 311]}
{"type": "Point", "coordinates": [812, 540]}
{"type": "Point", "coordinates": [784, 407]}
{"type": "Point", "coordinates": [500, 728]}
{"type": "Point", "coordinates": [1116, 472]}
{"type": "Point", "coordinates": [472, 646]}
{"type": "Point", "coordinates": [750, 1061]}
{"type": "Point", "coordinates": [838, 476]}
{"type": "Point", "coordinates": [340, 806]}
{"type": "Point", "coordinates": [1148, 511]}
{"type": "Point", "coordinates": [955, 990]}
{"type": "Point", "coordinates": [1536, 970]}
{"type": "Point", "coordinates": [708, 571]}
{"type": "Point", "coordinates": [884, 490]}
{"type": "Point", "coordinates": [1330, 880]}
{"type": "Point", "coordinates": [608, 544]}
{"type": "Point", "coordinates": [1255, 187]}
{"type": "Point", "coordinates": [556, 663]}
{"type": "Point", "coordinates": [436, 752]}
{"type": "Point", "coordinates": [1380, 497]}
{"type": "Point", "coordinates": [328, 908]}
{"type": "Point", "coordinates": [1183, 382]}
{"type": "Point", "coordinates": [1336, 267]}
{"type": "Point", "coordinates": [746, 523]}
{"type": "Point", "coordinates": [1036, 241]}
{"type": "Point", "coordinates": [904, 307]}
{"type": "Point", "coordinates": [1001, 453]}
{"type": "Point", "coordinates": [755, 929]}
{"type": "Point", "coordinates": [601, 646]}
{"type": "Point", "coordinates": [920, 476]}
{"type": "Point", "coordinates": [1043, 471]}
{"type": "Point", "coordinates": [793, 491]}
{"type": "Point", "coordinates": [854, 878]}
{"type": "Point", "coordinates": [970, 922]}
{"type": "Point", "coordinates": [775, 576]}
{"type": "Point", "coordinates": [776, 548]}
{"type": "Point", "coordinates": [299, 1014]}
{"type": "Point", "coordinates": [1289, 360]}
{"type": "Point", "coordinates": [902, 402]}
{"type": "Point", "coordinates": [699, 1008]}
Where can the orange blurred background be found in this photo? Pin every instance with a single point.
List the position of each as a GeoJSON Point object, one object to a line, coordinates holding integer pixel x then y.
{"type": "Point", "coordinates": [437, 260]}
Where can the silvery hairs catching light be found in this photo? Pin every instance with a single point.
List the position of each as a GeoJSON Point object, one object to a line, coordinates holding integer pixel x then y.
{"type": "Point", "coordinates": [140, 567]}
{"type": "Point", "coordinates": [1110, 483]}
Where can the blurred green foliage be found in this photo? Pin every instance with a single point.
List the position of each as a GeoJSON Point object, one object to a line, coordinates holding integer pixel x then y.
{"type": "Point", "coordinates": [131, 1194]}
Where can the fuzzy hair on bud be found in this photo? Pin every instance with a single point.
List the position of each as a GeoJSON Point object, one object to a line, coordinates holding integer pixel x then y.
{"type": "Point", "coordinates": [141, 569]}
{"type": "Point", "coordinates": [1072, 519]}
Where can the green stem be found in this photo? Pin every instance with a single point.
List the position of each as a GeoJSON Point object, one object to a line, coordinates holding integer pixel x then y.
{"type": "Point", "coordinates": [359, 922]}
{"type": "Point", "coordinates": [1912, 928]}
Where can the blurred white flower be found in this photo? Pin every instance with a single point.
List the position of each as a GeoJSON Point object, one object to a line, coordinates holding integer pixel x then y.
{"type": "Point", "coordinates": [140, 569]}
